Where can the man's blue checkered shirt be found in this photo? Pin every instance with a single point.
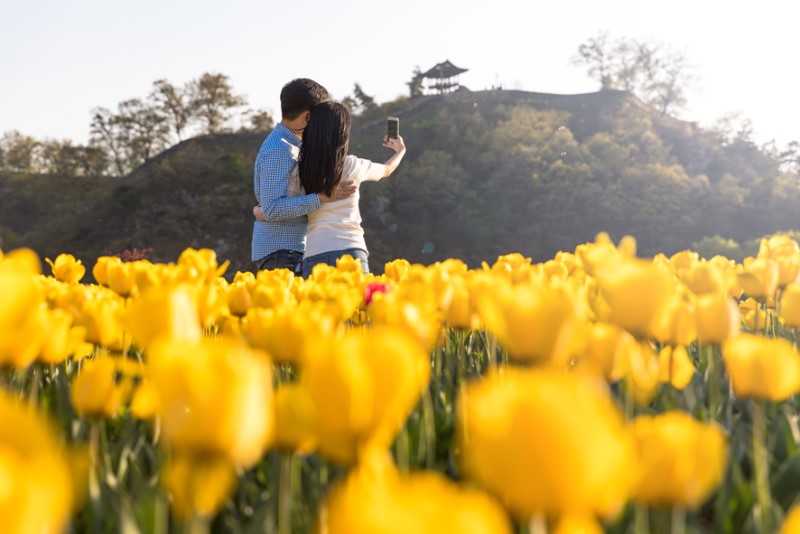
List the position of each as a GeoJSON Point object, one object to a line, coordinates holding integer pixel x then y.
{"type": "Point", "coordinates": [287, 219]}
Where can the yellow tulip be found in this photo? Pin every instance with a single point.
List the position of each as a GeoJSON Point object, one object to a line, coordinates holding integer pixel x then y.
{"type": "Point", "coordinates": [397, 270]}
{"type": "Point", "coordinates": [21, 343]}
{"type": "Point", "coordinates": [762, 368]}
{"type": "Point", "coordinates": [759, 278]}
{"type": "Point", "coordinates": [62, 339]}
{"type": "Point", "coordinates": [459, 311]}
{"type": "Point", "coordinates": [376, 499]}
{"type": "Point", "coordinates": [790, 305]}
{"type": "Point", "coordinates": [602, 255]}
{"type": "Point", "coordinates": [148, 275]}
{"type": "Point", "coordinates": [200, 265]}
{"type": "Point", "coordinates": [784, 251]}
{"type": "Point", "coordinates": [705, 278]}
{"type": "Point", "coordinates": [273, 293]}
{"type": "Point", "coordinates": [294, 431]}
{"type": "Point", "coordinates": [212, 304]}
{"type": "Point", "coordinates": [577, 524]}
{"type": "Point", "coordinates": [22, 308]}
{"type": "Point", "coordinates": [514, 268]}
{"type": "Point", "coordinates": [100, 269]}
{"type": "Point", "coordinates": [67, 269]}
{"type": "Point", "coordinates": [283, 332]}
{"type": "Point", "coordinates": [606, 352]}
{"type": "Point", "coordinates": [533, 323]}
{"type": "Point", "coordinates": [362, 389]}
{"type": "Point", "coordinates": [121, 278]}
{"type": "Point", "coordinates": [791, 524]}
{"type": "Point", "coordinates": [523, 436]}
{"type": "Point", "coordinates": [683, 261]}
{"type": "Point", "coordinates": [39, 490]}
{"type": "Point", "coordinates": [215, 397]}
{"type": "Point", "coordinates": [163, 311]}
{"type": "Point", "coordinates": [411, 307]}
{"type": "Point", "coordinates": [638, 295]}
{"type": "Point", "coordinates": [198, 484]}
{"type": "Point", "coordinates": [682, 461]}
{"type": "Point", "coordinates": [144, 401]}
{"type": "Point", "coordinates": [96, 392]}
{"type": "Point", "coordinates": [758, 320]}
{"type": "Point", "coordinates": [643, 372]}
{"type": "Point", "coordinates": [675, 366]}
{"type": "Point", "coordinates": [102, 318]}
{"type": "Point", "coordinates": [239, 299]}
{"type": "Point", "coordinates": [678, 323]}
{"type": "Point", "coordinates": [717, 319]}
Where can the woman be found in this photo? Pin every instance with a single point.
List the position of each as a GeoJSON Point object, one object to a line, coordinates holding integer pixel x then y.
{"type": "Point", "coordinates": [334, 229]}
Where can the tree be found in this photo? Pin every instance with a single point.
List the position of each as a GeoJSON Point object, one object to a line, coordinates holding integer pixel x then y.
{"type": "Point", "coordinates": [351, 104]}
{"type": "Point", "coordinates": [655, 73]}
{"type": "Point", "coordinates": [365, 101]}
{"type": "Point", "coordinates": [19, 152]}
{"type": "Point", "coordinates": [415, 84]}
{"type": "Point", "coordinates": [211, 101]}
{"type": "Point", "coordinates": [170, 103]}
{"type": "Point", "coordinates": [257, 120]}
{"type": "Point", "coordinates": [143, 128]}
{"type": "Point", "coordinates": [59, 157]}
{"type": "Point", "coordinates": [594, 53]}
{"type": "Point", "coordinates": [359, 101]}
{"type": "Point", "coordinates": [106, 136]}
{"type": "Point", "coordinates": [92, 160]}
{"type": "Point", "coordinates": [790, 157]}
{"type": "Point", "coordinates": [131, 136]}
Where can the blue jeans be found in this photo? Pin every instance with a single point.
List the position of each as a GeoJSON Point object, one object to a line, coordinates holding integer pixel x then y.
{"type": "Point", "coordinates": [331, 257]}
{"type": "Point", "coordinates": [281, 259]}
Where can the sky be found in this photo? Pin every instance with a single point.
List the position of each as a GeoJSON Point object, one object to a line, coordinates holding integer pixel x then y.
{"type": "Point", "coordinates": [60, 59]}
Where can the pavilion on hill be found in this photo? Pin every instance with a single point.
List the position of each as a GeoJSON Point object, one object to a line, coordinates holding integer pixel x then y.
{"type": "Point", "coordinates": [443, 78]}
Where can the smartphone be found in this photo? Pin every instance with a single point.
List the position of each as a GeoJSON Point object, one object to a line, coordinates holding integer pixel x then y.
{"type": "Point", "coordinates": [393, 131]}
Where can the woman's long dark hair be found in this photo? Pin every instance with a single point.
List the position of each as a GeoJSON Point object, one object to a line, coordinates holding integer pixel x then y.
{"type": "Point", "coordinates": [326, 141]}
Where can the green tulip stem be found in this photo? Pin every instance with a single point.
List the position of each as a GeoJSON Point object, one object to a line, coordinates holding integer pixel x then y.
{"type": "Point", "coordinates": [196, 525]}
{"type": "Point", "coordinates": [461, 346]}
{"type": "Point", "coordinates": [429, 423]}
{"type": "Point", "coordinates": [714, 382]}
{"type": "Point", "coordinates": [641, 519]}
{"type": "Point", "coordinates": [285, 494]}
{"type": "Point", "coordinates": [403, 450]}
{"type": "Point", "coordinates": [491, 350]}
{"type": "Point", "coordinates": [678, 520]}
{"type": "Point", "coordinates": [761, 468]}
{"type": "Point", "coordinates": [94, 475]}
{"type": "Point", "coordinates": [33, 394]}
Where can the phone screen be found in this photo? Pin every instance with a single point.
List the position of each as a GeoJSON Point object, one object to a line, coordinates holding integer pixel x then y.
{"type": "Point", "coordinates": [394, 128]}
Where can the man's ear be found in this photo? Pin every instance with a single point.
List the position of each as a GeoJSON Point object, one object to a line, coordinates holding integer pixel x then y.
{"type": "Point", "coordinates": [305, 116]}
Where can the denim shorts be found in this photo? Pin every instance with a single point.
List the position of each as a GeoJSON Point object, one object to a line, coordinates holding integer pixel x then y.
{"type": "Point", "coordinates": [331, 257]}
{"type": "Point", "coordinates": [281, 259]}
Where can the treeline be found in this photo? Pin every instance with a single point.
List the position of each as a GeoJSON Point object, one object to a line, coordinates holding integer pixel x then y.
{"type": "Point", "coordinates": [486, 178]}
{"type": "Point", "coordinates": [139, 128]}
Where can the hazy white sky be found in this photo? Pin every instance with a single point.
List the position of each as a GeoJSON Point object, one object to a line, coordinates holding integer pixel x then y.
{"type": "Point", "coordinates": [60, 59]}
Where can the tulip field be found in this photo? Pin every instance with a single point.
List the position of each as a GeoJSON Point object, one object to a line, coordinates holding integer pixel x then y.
{"type": "Point", "coordinates": [595, 392]}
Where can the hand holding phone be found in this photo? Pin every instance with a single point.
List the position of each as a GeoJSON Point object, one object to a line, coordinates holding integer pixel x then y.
{"type": "Point", "coordinates": [393, 129]}
{"type": "Point", "coordinates": [398, 145]}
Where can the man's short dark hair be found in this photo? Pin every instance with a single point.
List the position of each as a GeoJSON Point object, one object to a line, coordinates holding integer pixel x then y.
{"type": "Point", "coordinates": [301, 95]}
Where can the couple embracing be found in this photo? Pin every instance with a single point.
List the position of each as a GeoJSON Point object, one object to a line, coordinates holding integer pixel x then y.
{"type": "Point", "coordinates": [307, 185]}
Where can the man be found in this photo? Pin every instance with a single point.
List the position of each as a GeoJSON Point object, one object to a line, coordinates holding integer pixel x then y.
{"type": "Point", "coordinates": [279, 239]}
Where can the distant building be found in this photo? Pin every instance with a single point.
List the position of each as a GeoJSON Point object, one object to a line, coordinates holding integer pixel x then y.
{"type": "Point", "coordinates": [442, 78]}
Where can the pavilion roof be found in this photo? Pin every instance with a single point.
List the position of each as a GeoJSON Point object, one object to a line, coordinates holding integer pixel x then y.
{"type": "Point", "coordinates": [443, 70]}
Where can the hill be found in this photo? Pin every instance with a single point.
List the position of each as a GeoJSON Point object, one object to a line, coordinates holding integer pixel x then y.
{"type": "Point", "coordinates": [487, 173]}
